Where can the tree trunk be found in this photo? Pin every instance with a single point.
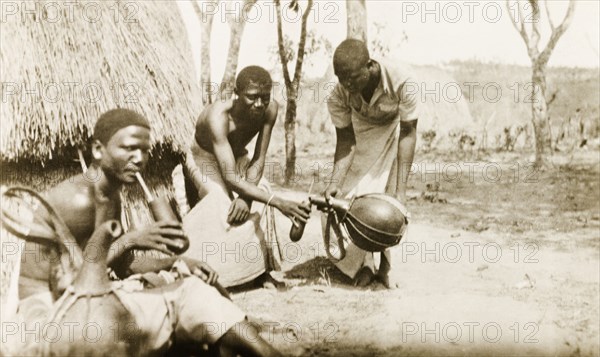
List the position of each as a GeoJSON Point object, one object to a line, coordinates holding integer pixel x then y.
{"type": "Point", "coordinates": [539, 60]}
{"type": "Point", "coordinates": [356, 15]}
{"type": "Point", "coordinates": [540, 121]}
{"type": "Point", "coordinates": [205, 58]}
{"type": "Point", "coordinates": [237, 26]}
{"type": "Point", "coordinates": [235, 39]}
{"type": "Point", "coordinates": [291, 86]}
{"type": "Point", "coordinates": [290, 135]}
{"type": "Point", "coordinates": [206, 21]}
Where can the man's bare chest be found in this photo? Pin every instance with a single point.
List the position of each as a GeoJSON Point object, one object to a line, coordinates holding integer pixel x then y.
{"type": "Point", "coordinates": [242, 132]}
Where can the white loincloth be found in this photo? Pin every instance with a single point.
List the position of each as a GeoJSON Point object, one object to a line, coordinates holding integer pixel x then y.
{"type": "Point", "coordinates": [240, 253]}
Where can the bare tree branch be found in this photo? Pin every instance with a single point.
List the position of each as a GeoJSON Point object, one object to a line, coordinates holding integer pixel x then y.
{"type": "Point", "coordinates": [243, 15]}
{"type": "Point", "coordinates": [558, 32]}
{"type": "Point", "coordinates": [548, 14]}
{"type": "Point", "coordinates": [237, 23]}
{"type": "Point", "coordinates": [541, 102]}
{"type": "Point", "coordinates": [522, 19]}
{"type": "Point", "coordinates": [248, 4]}
{"type": "Point", "coordinates": [206, 21]}
{"type": "Point", "coordinates": [518, 21]}
{"type": "Point", "coordinates": [282, 57]}
{"type": "Point", "coordinates": [197, 9]}
{"type": "Point", "coordinates": [356, 20]}
{"type": "Point", "coordinates": [535, 29]}
{"type": "Point", "coordinates": [301, 44]}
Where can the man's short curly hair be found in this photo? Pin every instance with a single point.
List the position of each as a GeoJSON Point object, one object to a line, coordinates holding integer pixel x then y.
{"type": "Point", "coordinates": [349, 52]}
{"type": "Point", "coordinates": [253, 74]}
{"type": "Point", "coordinates": [116, 119]}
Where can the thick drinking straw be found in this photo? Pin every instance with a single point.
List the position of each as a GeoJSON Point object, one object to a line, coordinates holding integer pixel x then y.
{"type": "Point", "coordinates": [149, 196]}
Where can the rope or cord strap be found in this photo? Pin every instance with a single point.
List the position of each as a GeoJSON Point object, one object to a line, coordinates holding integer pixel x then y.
{"type": "Point", "coordinates": [270, 199]}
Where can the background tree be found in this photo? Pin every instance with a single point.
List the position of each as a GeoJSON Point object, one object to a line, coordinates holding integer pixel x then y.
{"type": "Point", "coordinates": [206, 21]}
{"type": "Point", "coordinates": [385, 39]}
{"type": "Point", "coordinates": [237, 24]}
{"type": "Point", "coordinates": [356, 15]}
{"type": "Point", "coordinates": [291, 85]}
{"type": "Point", "coordinates": [317, 49]}
{"type": "Point", "coordinates": [539, 61]}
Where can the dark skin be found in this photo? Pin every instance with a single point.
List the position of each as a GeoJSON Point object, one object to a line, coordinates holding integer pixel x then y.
{"type": "Point", "coordinates": [87, 201]}
{"type": "Point", "coordinates": [363, 76]}
{"type": "Point", "coordinates": [227, 130]}
{"type": "Point", "coordinates": [356, 76]}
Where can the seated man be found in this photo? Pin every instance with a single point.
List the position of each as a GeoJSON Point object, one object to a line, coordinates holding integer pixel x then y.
{"type": "Point", "coordinates": [186, 310]}
{"type": "Point", "coordinates": [222, 230]}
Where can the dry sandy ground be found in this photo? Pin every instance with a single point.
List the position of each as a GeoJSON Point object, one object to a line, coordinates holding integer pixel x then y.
{"type": "Point", "coordinates": [461, 293]}
{"type": "Point", "coordinates": [510, 268]}
{"type": "Point", "coordinates": [501, 269]}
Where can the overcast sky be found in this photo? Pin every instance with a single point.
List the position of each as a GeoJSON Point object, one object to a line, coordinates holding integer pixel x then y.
{"type": "Point", "coordinates": [437, 31]}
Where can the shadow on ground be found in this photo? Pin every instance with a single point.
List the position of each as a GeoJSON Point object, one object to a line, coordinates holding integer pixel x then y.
{"type": "Point", "coordinates": [318, 270]}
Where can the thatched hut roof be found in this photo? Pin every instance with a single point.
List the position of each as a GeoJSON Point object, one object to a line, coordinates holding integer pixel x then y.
{"type": "Point", "coordinates": [83, 59]}
{"type": "Point", "coordinates": [63, 64]}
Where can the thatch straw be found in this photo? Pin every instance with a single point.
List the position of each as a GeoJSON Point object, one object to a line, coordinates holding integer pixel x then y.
{"type": "Point", "coordinates": [144, 65]}
{"type": "Point", "coordinates": [148, 60]}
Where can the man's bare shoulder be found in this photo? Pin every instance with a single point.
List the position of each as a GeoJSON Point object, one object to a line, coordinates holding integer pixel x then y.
{"type": "Point", "coordinates": [73, 194]}
{"type": "Point", "coordinates": [217, 118]}
{"type": "Point", "coordinates": [212, 122]}
{"type": "Point", "coordinates": [215, 111]}
{"type": "Point", "coordinates": [213, 117]}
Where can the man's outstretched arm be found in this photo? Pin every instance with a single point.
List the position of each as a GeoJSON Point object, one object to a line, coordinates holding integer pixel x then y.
{"type": "Point", "coordinates": [340, 113]}
{"type": "Point", "coordinates": [226, 161]}
{"type": "Point", "coordinates": [342, 159]}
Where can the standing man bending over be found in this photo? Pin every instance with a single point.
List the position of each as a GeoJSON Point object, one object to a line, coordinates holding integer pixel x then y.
{"type": "Point", "coordinates": [375, 115]}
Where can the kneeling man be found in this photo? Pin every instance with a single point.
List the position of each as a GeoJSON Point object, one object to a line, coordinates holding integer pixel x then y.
{"type": "Point", "coordinates": [223, 229]}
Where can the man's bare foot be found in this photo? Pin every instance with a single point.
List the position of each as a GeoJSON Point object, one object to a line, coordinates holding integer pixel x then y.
{"type": "Point", "coordinates": [384, 279]}
{"type": "Point", "coordinates": [364, 277]}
